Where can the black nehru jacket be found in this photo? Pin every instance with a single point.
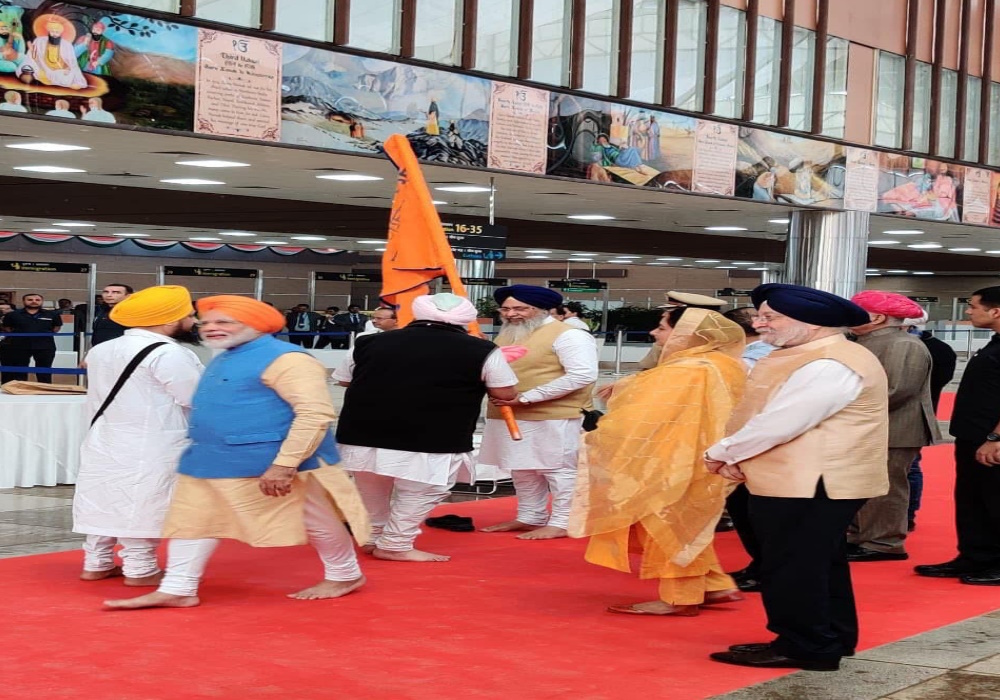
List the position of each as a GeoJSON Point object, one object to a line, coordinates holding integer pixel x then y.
{"type": "Point", "coordinates": [417, 389]}
{"type": "Point", "coordinates": [977, 403]}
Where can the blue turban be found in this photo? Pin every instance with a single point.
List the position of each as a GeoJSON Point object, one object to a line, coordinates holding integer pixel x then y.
{"type": "Point", "coordinates": [530, 294]}
{"type": "Point", "coordinates": [808, 305]}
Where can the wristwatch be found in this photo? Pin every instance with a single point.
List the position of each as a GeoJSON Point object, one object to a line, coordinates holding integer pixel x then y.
{"type": "Point", "coordinates": [521, 399]}
{"type": "Point", "coordinates": [993, 437]}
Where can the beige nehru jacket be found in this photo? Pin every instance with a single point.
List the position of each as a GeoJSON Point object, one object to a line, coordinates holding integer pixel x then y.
{"type": "Point", "coordinates": [848, 450]}
{"type": "Point", "coordinates": [540, 366]}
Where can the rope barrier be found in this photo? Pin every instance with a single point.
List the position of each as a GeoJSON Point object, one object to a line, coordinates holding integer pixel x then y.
{"type": "Point", "coordinates": [41, 370]}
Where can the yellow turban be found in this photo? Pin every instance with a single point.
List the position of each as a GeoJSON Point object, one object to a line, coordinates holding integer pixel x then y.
{"type": "Point", "coordinates": [153, 306]}
{"type": "Point", "coordinates": [256, 314]}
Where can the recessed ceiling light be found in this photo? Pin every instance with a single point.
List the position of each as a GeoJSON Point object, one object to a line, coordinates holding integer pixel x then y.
{"type": "Point", "coordinates": [873, 269]}
{"type": "Point", "coordinates": [744, 263]}
{"type": "Point", "coordinates": [47, 169]}
{"type": "Point", "coordinates": [670, 259]}
{"type": "Point", "coordinates": [903, 232]}
{"type": "Point", "coordinates": [656, 263]}
{"type": "Point", "coordinates": [993, 252]}
{"type": "Point", "coordinates": [536, 257]}
{"type": "Point", "coordinates": [624, 257]}
{"type": "Point", "coordinates": [50, 230]}
{"type": "Point", "coordinates": [725, 267]}
{"type": "Point", "coordinates": [213, 163]}
{"type": "Point", "coordinates": [965, 250]}
{"type": "Point", "coordinates": [923, 273]}
{"type": "Point", "coordinates": [757, 269]}
{"type": "Point", "coordinates": [349, 177]}
{"type": "Point", "coordinates": [883, 242]}
{"type": "Point", "coordinates": [131, 235]}
{"type": "Point", "coordinates": [373, 242]}
{"type": "Point", "coordinates": [438, 202]}
{"type": "Point", "coordinates": [627, 261]}
{"type": "Point", "coordinates": [778, 221]}
{"type": "Point", "coordinates": [380, 250]}
{"type": "Point", "coordinates": [462, 188]}
{"type": "Point", "coordinates": [204, 238]}
{"type": "Point", "coordinates": [590, 217]}
{"type": "Point", "coordinates": [897, 272]}
{"type": "Point", "coordinates": [536, 250]}
{"type": "Point", "coordinates": [236, 233]}
{"type": "Point", "coordinates": [73, 224]}
{"type": "Point", "coordinates": [271, 242]}
{"type": "Point", "coordinates": [308, 238]}
{"type": "Point", "coordinates": [925, 245]}
{"type": "Point", "coordinates": [707, 261]}
{"type": "Point", "coordinates": [584, 255]}
{"type": "Point", "coordinates": [873, 274]}
{"type": "Point", "coordinates": [191, 181]}
{"type": "Point", "coordinates": [725, 228]}
{"type": "Point", "coordinates": [48, 147]}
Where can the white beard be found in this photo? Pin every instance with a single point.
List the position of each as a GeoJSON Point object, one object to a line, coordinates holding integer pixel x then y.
{"type": "Point", "coordinates": [244, 336]}
{"type": "Point", "coordinates": [517, 333]}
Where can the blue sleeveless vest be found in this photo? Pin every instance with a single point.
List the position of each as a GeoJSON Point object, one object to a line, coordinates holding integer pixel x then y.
{"type": "Point", "coordinates": [237, 423]}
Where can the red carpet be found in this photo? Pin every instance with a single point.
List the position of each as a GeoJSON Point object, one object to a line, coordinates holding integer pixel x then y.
{"type": "Point", "coordinates": [505, 619]}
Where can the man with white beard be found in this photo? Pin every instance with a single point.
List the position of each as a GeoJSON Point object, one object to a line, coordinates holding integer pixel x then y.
{"type": "Point", "coordinates": [555, 381]}
{"type": "Point", "coordinates": [261, 467]}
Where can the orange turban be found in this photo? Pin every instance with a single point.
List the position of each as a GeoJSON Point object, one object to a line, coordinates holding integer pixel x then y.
{"type": "Point", "coordinates": [153, 306]}
{"type": "Point", "coordinates": [256, 314]}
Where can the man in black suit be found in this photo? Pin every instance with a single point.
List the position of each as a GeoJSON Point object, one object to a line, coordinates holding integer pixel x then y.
{"type": "Point", "coordinates": [351, 322]}
{"type": "Point", "coordinates": [302, 320]}
{"type": "Point", "coordinates": [328, 327]}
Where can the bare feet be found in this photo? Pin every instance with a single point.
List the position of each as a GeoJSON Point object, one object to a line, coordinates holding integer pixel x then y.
{"type": "Point", "coordinates": [153, 600]}
{"type": "Point", "coordinates": [100, 575]}
{"type": "Point", "coordinates": [731, 595]}
{"type": "Point", "coordinates": [509, 526]}
{"type": "Point", "coordinates": [141, 581]}
{"type": "Point", "coordinates": [549, 532]}
{"type": "Point", "coordinates": [329, 589]}
{"type": "Point", "coordinates": [655, 607]}
{"type": "Point", "coordinates": [368, 548]}
{"type": "Point", "coordinates": [411, 555]}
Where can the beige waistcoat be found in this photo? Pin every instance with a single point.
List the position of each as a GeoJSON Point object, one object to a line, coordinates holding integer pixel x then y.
{"type": "Point", "coordinates": [540, 366]}
{"type": "Point", "coordinates": [848, 450]}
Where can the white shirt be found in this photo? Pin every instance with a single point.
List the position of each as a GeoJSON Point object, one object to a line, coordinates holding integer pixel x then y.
{"type": "Point", "coordinates": [496, 372]}
{"type": "Point", "coordinates": [576, 323]}
{"type": "Point", "coordinates": [577, 354]}
{"type": "Point", "coordinates": [812, 394]}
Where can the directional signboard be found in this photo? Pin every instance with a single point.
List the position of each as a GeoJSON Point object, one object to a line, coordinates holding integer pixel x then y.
{"type": "Point", "coordinates": [44, 267]}
{"type": "Point", "coordinates": [579, 286]}
{"type": "Point", "coordinates": [231, 272]}
{"type": "Point", "coordinates": [477, 241]}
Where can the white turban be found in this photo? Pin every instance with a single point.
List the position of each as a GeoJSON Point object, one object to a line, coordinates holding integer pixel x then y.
{"type": "Point", "coordinates": [445, 308]}
{"type": "Point", "coordinates": [917, 321]}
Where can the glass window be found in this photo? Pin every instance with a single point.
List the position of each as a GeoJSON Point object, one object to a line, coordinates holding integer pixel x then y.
{"type": "Point", "coordinates": [550, 42]}
{"type": "Point", "coordinates": [835, 100]}
{"type": "Point", "coordinates": [973, 97]}
{"type": "Point", "coordinates": [800, 94]}
{"type": "Point", "coordinates": [731, 62]}
{"type": "Point", "coordinates": [946, 127]}
{"type": "Point", "coordinates": [889, 100]}
{"type": "Point", "coordinates": [600, 46]}
{"type": "Point", "coordinates": [922, 108]}
{"type": "Point", "coordinates": [994, 154]}
{"type": "Point", "coordinates": [646, 74]}
{"type": "Point", "coordinates": [439, 31]}
{"type": "Point", "coordinates": [377, 28]}
{"type": "Point", "coordinates": [767, 71]}
{"type": "Point", "coordinates": [312, 19]}
{"type": "Point", "coordinates": [689, 64]}
{"type": "Point", "coordinates": [161, 5]}
{"type": "Point", "coordinates": [245, 13]}
{"type": "Point", "coordinates": [496, 29]}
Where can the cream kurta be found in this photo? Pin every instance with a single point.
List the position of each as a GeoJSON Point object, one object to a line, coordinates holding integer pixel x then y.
{"type": "Point", "coordinates": [128, 460]}
{"type": "Point", "coordinates": [236, 508]}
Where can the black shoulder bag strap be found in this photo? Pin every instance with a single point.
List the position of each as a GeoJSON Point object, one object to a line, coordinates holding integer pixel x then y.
{"type": "Point", "coordinates": [126, 373]}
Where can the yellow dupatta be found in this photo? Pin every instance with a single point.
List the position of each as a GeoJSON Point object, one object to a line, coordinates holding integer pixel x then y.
{"type": "Point", "coordinates": [643, 465]}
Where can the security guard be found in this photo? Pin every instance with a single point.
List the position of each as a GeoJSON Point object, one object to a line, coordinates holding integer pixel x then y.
{"type": "Point", "coordinates": [19, 351]}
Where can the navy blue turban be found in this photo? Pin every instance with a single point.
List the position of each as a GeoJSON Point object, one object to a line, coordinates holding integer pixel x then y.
{"type": "Point", "coordinates": [808, 305]}
{"type": "Point", "coordinates": [539, 297]}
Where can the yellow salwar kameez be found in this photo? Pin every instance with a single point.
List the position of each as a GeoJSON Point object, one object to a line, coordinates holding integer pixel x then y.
{"type": "Point", "coordinates": [642, 483]}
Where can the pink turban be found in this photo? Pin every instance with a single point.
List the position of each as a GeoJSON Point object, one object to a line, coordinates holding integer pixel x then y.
{"type": "Point", "coordinates": [888, 303]}
{"type": "Point", "coordinates": [445, 308]}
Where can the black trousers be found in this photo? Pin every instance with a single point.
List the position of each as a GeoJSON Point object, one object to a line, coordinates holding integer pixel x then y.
{"type": "Point", "coordinates": [21, 357]}
{"type": "Point", "coordinates": [805, 577]}
{"type": "Point", "coordinates": [305, 341]}
{"type": "Point", "coordinates": [977, 507]}
{"type": "Point", "coordinates": [738, 507]}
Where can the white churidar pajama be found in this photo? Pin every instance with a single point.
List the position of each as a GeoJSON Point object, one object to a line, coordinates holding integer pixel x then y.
{"type": "Point", "coordinates": [187, 559]}
{"type": "Point", "coordinates": [544, 462]}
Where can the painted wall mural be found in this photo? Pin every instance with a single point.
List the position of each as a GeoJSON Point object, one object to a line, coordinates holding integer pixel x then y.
{"type": "Point", "coordinates": [920, 188]}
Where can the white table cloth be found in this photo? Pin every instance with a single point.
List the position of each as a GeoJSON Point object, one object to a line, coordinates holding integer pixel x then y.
{"type": "Point", "coordinates": [40, 439]}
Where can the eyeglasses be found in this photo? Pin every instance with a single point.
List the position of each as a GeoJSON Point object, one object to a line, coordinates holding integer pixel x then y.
{"type": "Point", "coordinates": [767, 318]}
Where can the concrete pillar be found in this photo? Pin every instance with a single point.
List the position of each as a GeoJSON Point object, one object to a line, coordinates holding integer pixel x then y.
{"type": "Point", "coordinates": [828, 250]}
{"type": "Point", "coordinates": [476, 268]}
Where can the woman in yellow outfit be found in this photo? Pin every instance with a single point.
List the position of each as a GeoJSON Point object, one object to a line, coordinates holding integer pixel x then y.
{"type": "Point", "coordinates": [643, 486]}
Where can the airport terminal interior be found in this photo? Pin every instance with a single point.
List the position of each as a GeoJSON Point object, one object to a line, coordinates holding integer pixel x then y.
{"type": "Point", "coordinates": [617, 152]}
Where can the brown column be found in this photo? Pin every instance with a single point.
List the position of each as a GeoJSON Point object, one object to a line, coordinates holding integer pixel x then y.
{"type": "Point", "coordinates": [341, 22]}
{"type": "Point", "coordinates": [188, 8]}
{"type": "Point", "coordinates": [578, 26]}
{"type": "Point", "coordinates": [408, 28]}
{"type": "Point", "coordinates": [623, 80]}
{"type": "Point", "coordinates": [470, 14]}
{"type": "Point", "coordinates": [940, 15]}
{"type": "Point", "coordinates": [819, 66]}
{"type": "Point", "coordinates": [785, 74]}
{"type": "Point", "coordinates": [910, 72]}
{"type": "Point", "coordinates": [711, 57]}
{"type": "Point", "coordinates": [668, 86]}
{"type": "Point", "coordinates": [984, 105]}
{"type": "Point", "coordinates": [525, 37]}
{"type": "Point", "coordinates": [268, 15]}
{"type": "Point", "coordinates": [750, 72]}
{"type": "Point", "coordinates": [963, 81]}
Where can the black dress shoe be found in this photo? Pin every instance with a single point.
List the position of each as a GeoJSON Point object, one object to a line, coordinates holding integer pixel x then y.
{"type": "Point", "coordinates": [768, 658]}
{"type": "Point", "coordinates": [956, 568]}
{"type": "Point", "coordinates": [865, 554]}
{"type": "Point", "coordinates": [748, 585]}
{"type": "Point", "coordinates": [763, 646]}
{"type": "Point", "coordinates": [986, 578]}
{"type": "Point", "coordinates": [725, 524]}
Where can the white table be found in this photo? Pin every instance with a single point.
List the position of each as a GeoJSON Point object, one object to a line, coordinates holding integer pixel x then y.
{"type": "Point", "coordinates": [40, 439]}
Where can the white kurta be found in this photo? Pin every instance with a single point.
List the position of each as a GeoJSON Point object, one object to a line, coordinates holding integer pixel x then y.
{"type": "Point", "coordinates": [128, 460]}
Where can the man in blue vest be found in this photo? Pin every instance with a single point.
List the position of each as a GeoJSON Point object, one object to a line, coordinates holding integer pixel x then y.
{"type": "Point", "coordinates": [261, 465]}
